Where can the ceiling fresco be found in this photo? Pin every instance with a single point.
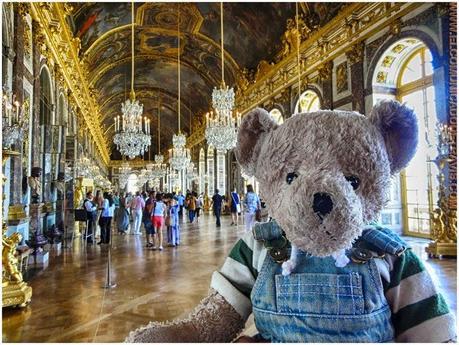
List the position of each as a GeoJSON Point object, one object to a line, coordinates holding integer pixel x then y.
{"type": "Point", "coordinates": [252, 32]}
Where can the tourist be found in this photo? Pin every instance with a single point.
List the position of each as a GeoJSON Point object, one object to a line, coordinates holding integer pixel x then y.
{"type": "Point", "coordinates": [235, 207]}
{"type": "Point", "coordinates": [173, 229]}
{"type": "Point", "coordinates": [148, 225]}
{"type": "Point", "coordinates": [106, 218]}
{"type": "Point", "coordinates": [128, 205]}
{"type": "Point", "coordinates": [180, 201]}
{"type": "Point", "coordinates": [137, 206]}
{"type": "Point", "coordinates": [122, 222]}
{"type": "Point", "coordinates": [199, 204]}
{"type": "Point", "coordinates": [98, 200]}
{"type": "Point", "coordinates": [216, 204]}
{"type": "Point", "coordinates": [191, 205]}
{"type": "Point", "coordinates": [116, 201]}
{"type": "Point", "coordinates": [91, 214]}
{"type": "Point", "coordinates": [159, 213]}
{"type": "Point", "coordinates": [251, 205]}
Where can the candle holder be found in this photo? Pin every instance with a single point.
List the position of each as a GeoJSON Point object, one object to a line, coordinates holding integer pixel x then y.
{"type": "Point", "coordinates": [13, 119]}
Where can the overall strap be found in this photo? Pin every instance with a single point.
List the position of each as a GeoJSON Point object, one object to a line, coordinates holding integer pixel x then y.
{"type": "Point", "coordinates": [274, 240]}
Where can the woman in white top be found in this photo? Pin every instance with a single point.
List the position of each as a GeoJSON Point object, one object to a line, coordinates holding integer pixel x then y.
{"type": "Point", "coordinates": [108, 211]}
{"type": "Point", "coordinates": [157, 219]}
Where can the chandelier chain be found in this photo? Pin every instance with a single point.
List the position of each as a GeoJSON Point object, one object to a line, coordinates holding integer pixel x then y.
{"type": "Point", "coordinates": [298, 42]}
{"type": "Point", "coordinates": [132, 51]}
{"type": "Point", "coordinates": [178, 65]}
{"type": "Point", "coordinates": [222, 44]}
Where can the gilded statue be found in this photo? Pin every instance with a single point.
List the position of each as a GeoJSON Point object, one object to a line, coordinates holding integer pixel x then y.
{"type": "Point", "coordinates": [452, 222]}
{"type": "Point", "coordinates": [35, 184]}
{"type": "Point", "coordinates": [438, 224]}
{"type": "Point", "coordinates": [9, 260]}
{"type": "Point", "coordinates": [292, 36]}
{"type": "Point", "coordinates": [77, 197]}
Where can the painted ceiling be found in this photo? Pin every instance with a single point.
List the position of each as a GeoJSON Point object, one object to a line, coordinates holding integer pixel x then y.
{"type": "Point", "coordinates": [252, 33]}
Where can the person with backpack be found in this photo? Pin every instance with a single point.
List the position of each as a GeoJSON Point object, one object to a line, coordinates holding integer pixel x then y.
{"type": "Point", "coordinates": [147, 213]}
{"type": "Point", "coordinates": [91, 212]}
{"type": "Point", "coordinates": [191, 203]}
{"type": "Point", "coordinates": [235, 207]}
{"type": "Point", "coordinates": [159, 213]}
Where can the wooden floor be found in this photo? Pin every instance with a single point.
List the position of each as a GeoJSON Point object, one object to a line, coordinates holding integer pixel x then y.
{"type": "Point", "coordinates": [70, 305]}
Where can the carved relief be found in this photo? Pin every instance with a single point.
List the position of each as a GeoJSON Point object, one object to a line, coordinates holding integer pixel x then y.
{"type": "Point", "coordinates": [355, 54]}
{"type": "Point", "coordinates": [325, 71]}
{"type": "Point", "coordinates": [341, 77]}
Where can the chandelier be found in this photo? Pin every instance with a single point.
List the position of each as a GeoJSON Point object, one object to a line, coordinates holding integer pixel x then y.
{"type": "Point", "coordinates": [132, 136]}
{"type": "Point", "coordinates": [125, 171]}
{"type": "Point", "coordinates": [191, 172]}
{"type": "Point", "coordinates": [179, 155]}
{"type": "Point", "coordinates": [221, 126]}
{"type": "Point", "coordinates": [13, 111]}
{"type": "Point", "coordinates": [158, 169]}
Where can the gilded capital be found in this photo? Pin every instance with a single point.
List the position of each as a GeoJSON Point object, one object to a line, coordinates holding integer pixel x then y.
{"type": "Point", "coordinates": [325, 71]}
{"type": "Point", "coordinates": [23, 9]}
{"type": "Point", "coordinates": [355, 54]}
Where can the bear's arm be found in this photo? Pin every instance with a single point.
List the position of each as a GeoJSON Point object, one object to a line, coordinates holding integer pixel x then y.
{"type": "Point", "coordinates": [221, 316]}
{"type": "Point", "coordinates": [419, 311]}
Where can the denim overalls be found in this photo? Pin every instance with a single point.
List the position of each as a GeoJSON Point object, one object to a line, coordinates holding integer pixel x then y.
{"type": "Point", "coordinates": [319, 302]}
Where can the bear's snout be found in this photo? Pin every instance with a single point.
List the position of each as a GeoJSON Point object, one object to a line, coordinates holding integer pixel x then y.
{"type": "Point", "coordinates": [322, 204]}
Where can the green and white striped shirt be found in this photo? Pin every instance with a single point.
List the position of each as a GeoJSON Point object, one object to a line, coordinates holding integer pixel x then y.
{"type": "Point", "coordinates": [419, 311]}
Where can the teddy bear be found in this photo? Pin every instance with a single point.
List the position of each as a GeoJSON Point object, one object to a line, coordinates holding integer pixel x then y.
{"type": "Point", "coordinates": [322, 270]}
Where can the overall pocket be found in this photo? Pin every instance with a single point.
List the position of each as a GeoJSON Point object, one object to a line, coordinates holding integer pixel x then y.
{"type": "Point", "coordinates": [320, 293]}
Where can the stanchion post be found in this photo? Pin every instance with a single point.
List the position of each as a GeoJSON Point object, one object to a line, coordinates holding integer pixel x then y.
{"type": "Point", "coordinates": [109, 284]}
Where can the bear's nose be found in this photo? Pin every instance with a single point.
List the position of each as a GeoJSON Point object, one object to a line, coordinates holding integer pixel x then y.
{"type": "Point", "coordinates": [322, 204]}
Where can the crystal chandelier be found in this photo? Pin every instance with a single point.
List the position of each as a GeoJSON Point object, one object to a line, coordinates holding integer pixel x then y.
{"type": "Point", "coordinates": [221, 125]}
{"type": "Point", "coordinates": [158, 169]}
{"type": "Point", "coordinates": [132, 136]}
{"type": "Point", "coordinates": [191, 172]}
{"type": "Point", "coordinates": [125, 171]}
{"type": "Point", "coordinates": [179, 155]}
{"type": "Point", "coordinates": [13, 119]}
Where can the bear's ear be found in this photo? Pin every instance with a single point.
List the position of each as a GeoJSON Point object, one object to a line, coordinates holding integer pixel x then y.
{"type": "Point", "coordinates": [399, 127]}
{"type": "Point", "coordinates": [252, 131]}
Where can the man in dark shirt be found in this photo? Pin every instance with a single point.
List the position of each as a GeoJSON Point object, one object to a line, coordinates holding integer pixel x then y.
{"type": "Point", "coordinates": [217, 206]}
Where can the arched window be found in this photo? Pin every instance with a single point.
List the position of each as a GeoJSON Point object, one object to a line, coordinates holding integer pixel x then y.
{"type": "Point", "coordinates": [45, 98]}
{"type": "Point", "coordinates": [277, 116]}
{"type": "Point", "coordinates": [308, 102]}
{"type": "Point", "coordinates": [202, 170]}
{"type": "Point", "coordinates": [407, 66]}
{"type": "Point", "coordinates": [221, 172]}
{"type": "Point", "coordinates": [210, 170]}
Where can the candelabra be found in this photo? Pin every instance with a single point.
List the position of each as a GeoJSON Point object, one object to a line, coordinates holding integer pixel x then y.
{"type": "Point", "coordinates": [13, 119]}
{"type": "Point", "coordinates": [125, 171]}
{"type": "Point", "coordinates": [444, 221]}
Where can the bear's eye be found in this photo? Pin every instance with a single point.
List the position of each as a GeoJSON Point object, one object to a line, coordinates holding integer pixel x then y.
{"type": "Point", "coordinates": [290, 177]}
{"type": "Point", "coordinates": [354, 181]}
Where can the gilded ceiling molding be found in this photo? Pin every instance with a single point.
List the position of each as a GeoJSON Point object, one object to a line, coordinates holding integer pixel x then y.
{"type": "Point", "coordinates": [64, 49]}
{"type": "Point", "coordinates": [354, 24]}
{"type": "Point", "coordinates": [97, 74]}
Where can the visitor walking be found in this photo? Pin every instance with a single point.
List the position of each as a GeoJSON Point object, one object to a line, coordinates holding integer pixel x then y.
{"type": "Point", "coordinates": [122, 222]}
{"type": "Point", "coordinates": [235, 207]}
{"type": "Point", "coordinates": [116, 201]}
{"type": "Point", "coordinates": [159, 213]}
{"type": "Point", "coordinates": [251, 205]}
{"type": "Point", "coordinates": [91, 214]}
{"type": "Point", "coordinates": [181, 202]}
{"type": "Point", "coordinates": [191, 204]}
{"type": "Point", "coordinates": [106, 218]}
{"type": "Point", "coordinates": [173, 234]}
{"type": "Point", "coordinates": [199, 205]}
{"type": "Point", "coordinates": [217, 201]}
{"type": "Point", "coordinates": [137, 206]}
{"type": "Point", "coordinates": [146, 217]}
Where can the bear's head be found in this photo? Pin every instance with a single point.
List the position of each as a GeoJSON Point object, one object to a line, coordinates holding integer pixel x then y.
{"type": "Point", "coordinates": [324, 175]}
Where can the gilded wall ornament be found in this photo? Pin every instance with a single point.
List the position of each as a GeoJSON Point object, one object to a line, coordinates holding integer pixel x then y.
{"type": "Point", "coordinates": [355, 54]}
{"type": "Point", "coordinates": [325, 71]}
{"type": "Point", "coordinates": [341, 77]}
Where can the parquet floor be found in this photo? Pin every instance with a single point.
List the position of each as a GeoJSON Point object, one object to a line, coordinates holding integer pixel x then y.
{"type": "Point", "coordinates": [70, 305]}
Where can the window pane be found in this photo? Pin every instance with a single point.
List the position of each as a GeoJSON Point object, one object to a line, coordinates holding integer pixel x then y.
{"type": "Point", "coordinates": [428, 62]}
{"type": "Point", "coordinates": [413, 70]}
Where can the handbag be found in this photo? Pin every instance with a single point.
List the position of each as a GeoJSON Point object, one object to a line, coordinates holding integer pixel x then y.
{"type": "Point", "coordinates": [258, 215]}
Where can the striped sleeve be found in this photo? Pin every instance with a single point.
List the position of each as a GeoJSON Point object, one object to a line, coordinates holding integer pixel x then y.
{"type": "Point", "coordinates": [419, 311]}
{"type": "Point", "coordinates": [235, 279]}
